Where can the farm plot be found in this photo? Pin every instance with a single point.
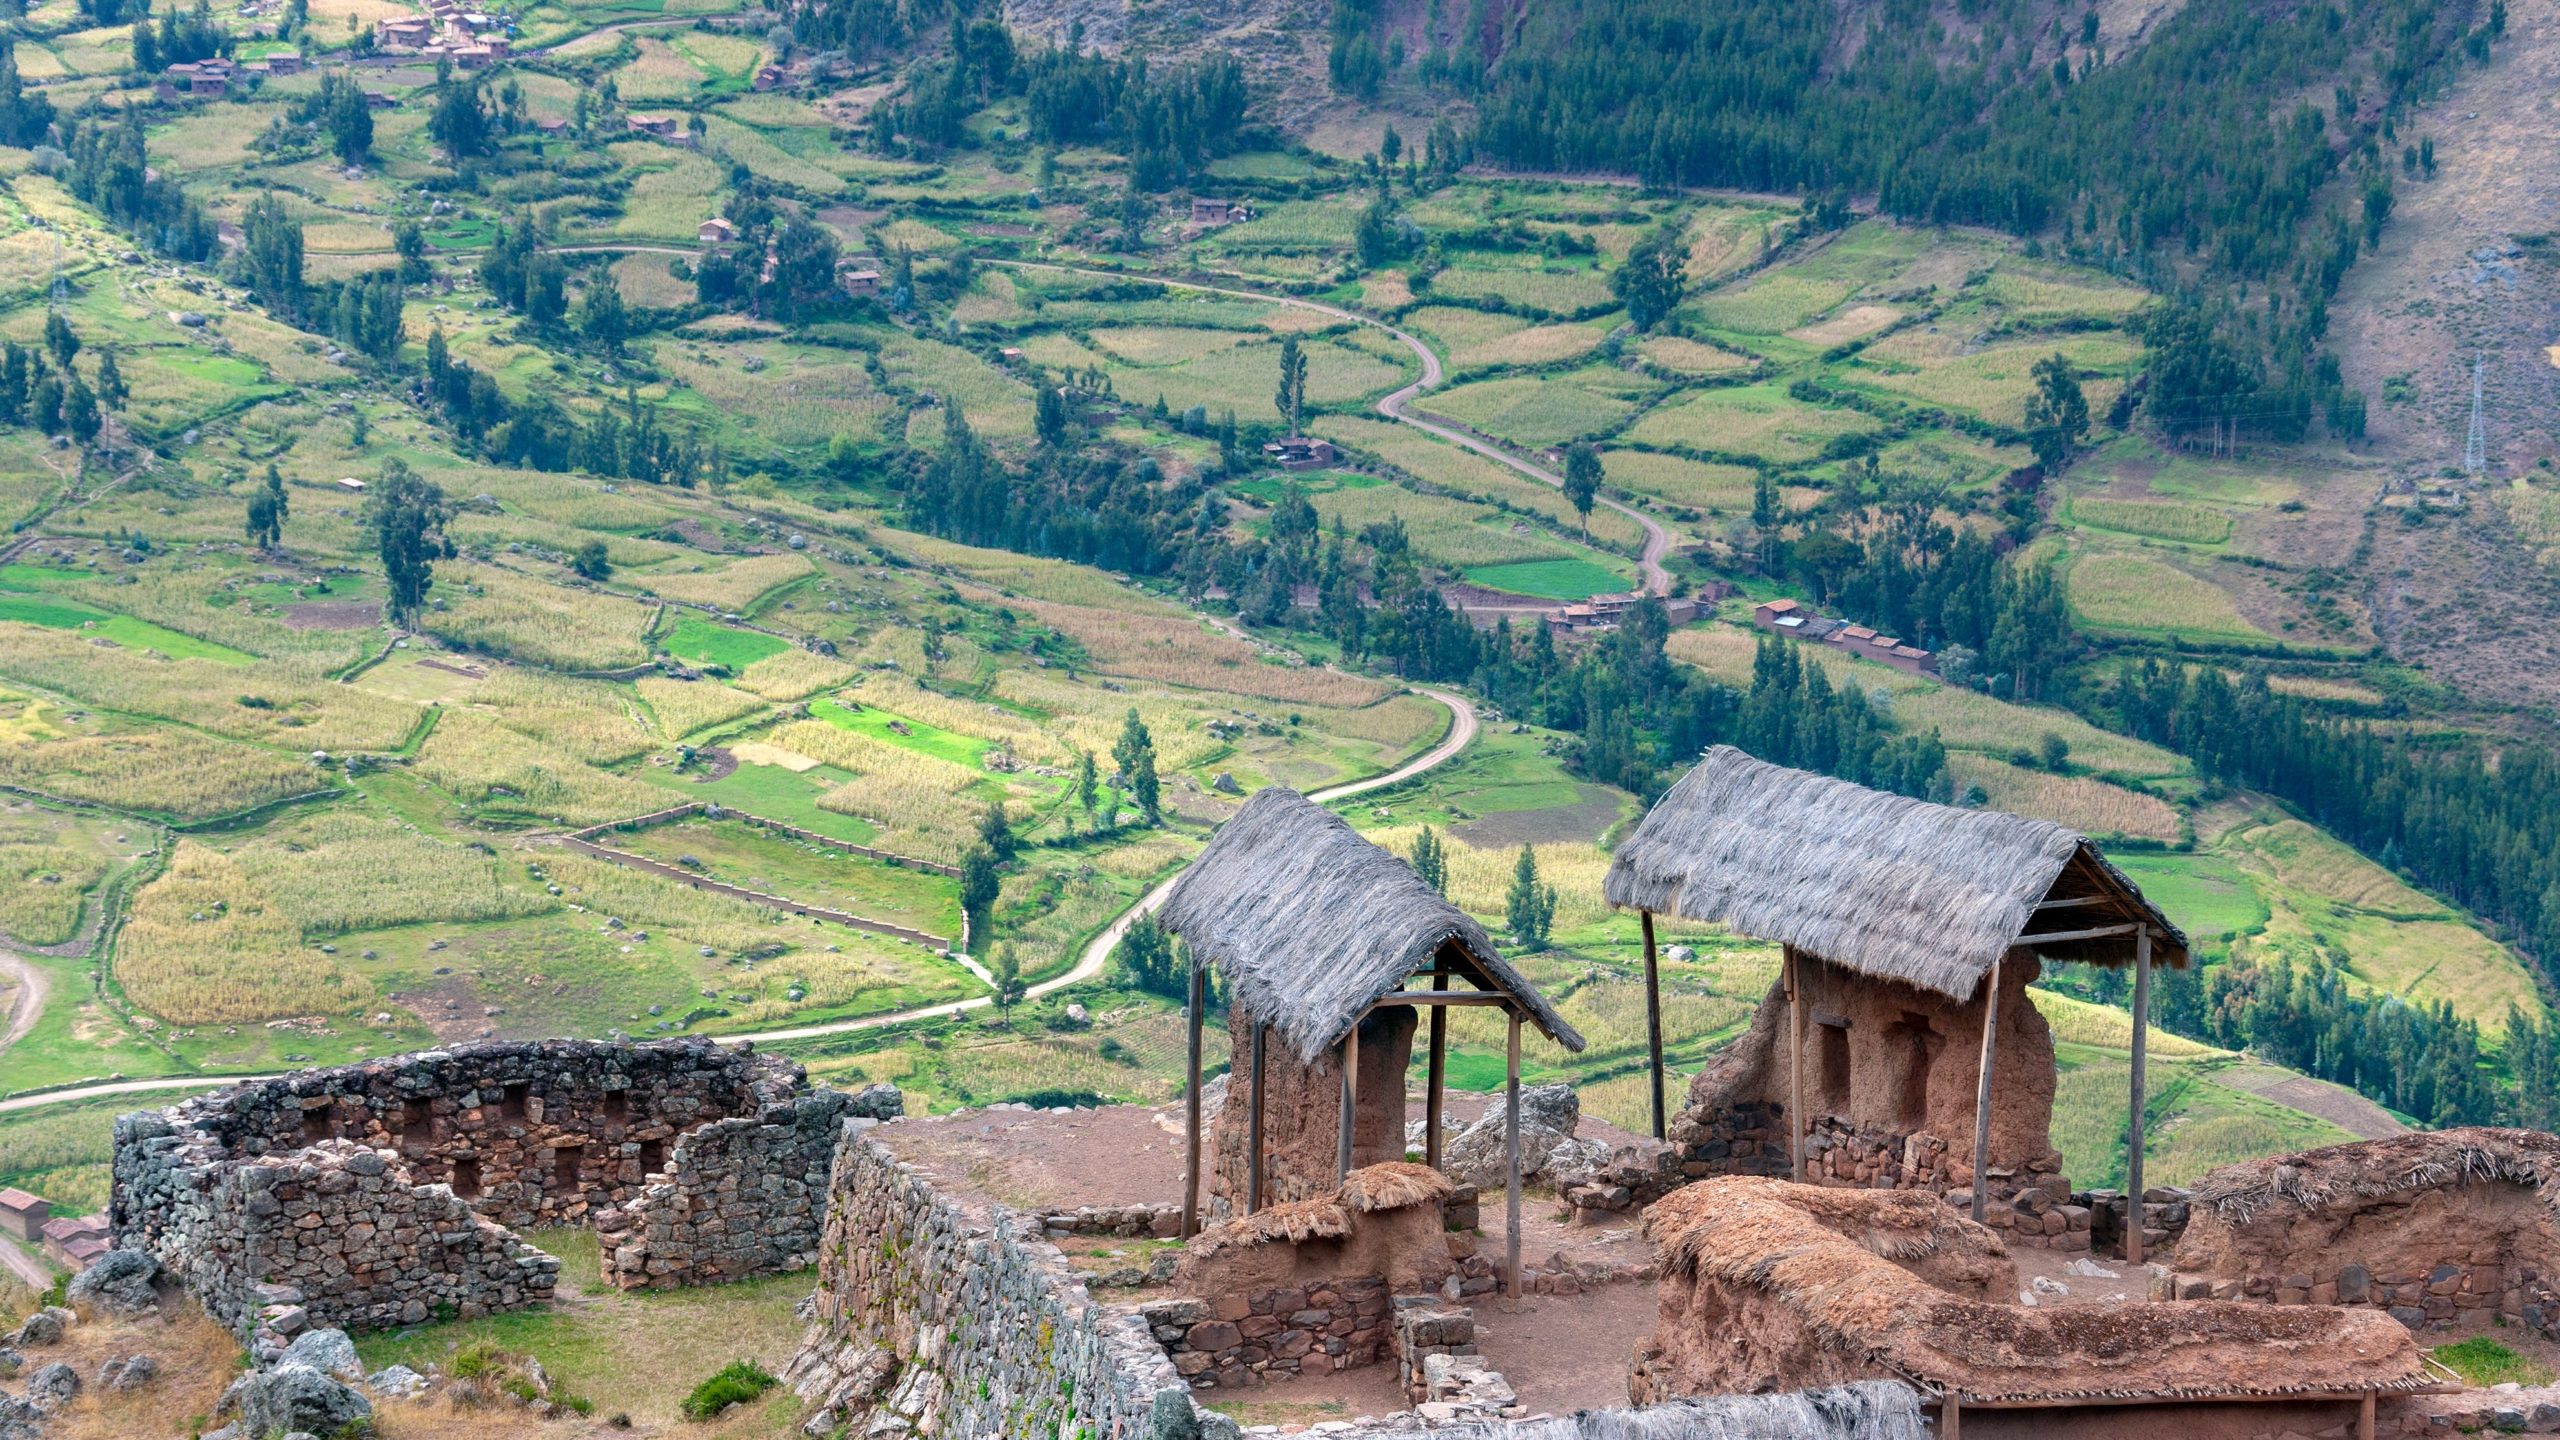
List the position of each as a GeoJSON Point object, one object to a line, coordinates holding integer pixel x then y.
{"type": "Point", "coordinates": [1543, 411]}
{"type": "Point", "coordinates": [996, 404]}
{"type": "Point", "coordinates": [757, 858]}
{"type": "Point", "coordinates": [504, 613]}
{"type": "Point", "coordinates": [349, 870]}
{"type": "Point", "coordinates": [1448, 467]}
{"type": "Point", "coordinates": [2092, 807]}
{"type": "Point", "coordinates": [1452, 532]}
{"type": "Point", "coordinates": [1180, 651]}
{"type": "Point", "coordinates": [734, 586]}
{"type": "Point", "coordinates": [184, 775]}
{"type": "Point", "coordinates": [50, 862]}
{"type": "Point", "coordinates": [1759, 422]}
{"type": "Point", "coordinates": [204, 946]}
{"type": "Point", "coordinates": [1543, 292]}
{"type": "Point", "coordinates": [2159, 519]}
{"type": "Point", "coordinates": [1245, 377]}
{"type": "Point", "coordinates": [786, 394]}
{"type": "Point", "coordinates": [1994, 381]}
{"type": "Point", "coordinates": [1685, 356]}
{"type": "Point", "coordinates": [1700, 486]}
{"type": "Point", "coordinates": [2135, 592]}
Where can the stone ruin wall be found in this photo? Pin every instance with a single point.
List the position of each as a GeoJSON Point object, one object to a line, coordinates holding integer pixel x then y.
{"type": "Point", "coordinates": [388, 1192]}
{"type": "Point", "coordinates": [1302, 1113]}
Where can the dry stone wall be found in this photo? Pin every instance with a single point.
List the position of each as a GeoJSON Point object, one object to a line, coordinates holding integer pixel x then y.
{"type": "Point", "coordinates": [387, 1193]}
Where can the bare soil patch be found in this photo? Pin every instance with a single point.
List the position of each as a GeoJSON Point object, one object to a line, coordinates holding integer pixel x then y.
{"type": "Point", "coordinates": [1585, 819]}
{"type": "Point", "coordinates": [334, 614]}
{"type": "Point", "coordinates": [2340, 1107]}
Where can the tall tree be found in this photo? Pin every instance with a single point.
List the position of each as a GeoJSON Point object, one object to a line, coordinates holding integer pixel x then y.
{"type": "Point", "coordinates": [1135, 753]}
{"type": "Point", "coordinates": [407, 513]}
{"type": "Point", "coordinates": [2057, 413]}
{"type": "Point", "coordinates": [1655, 276]}
{"type": "Point", "coordinates": [1530, 909]}
{"type": "Point", "coordinates": [1292, 395]}
{"type": "Point", "coordinates": [1430, 860]}
{"type": "Point", "coordinates": [1582, 481]}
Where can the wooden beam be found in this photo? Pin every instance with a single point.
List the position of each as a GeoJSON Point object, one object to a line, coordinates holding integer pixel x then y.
{"type": "Point", "coordinates": [2133, 1144]}
{"type": "Point", "coordinates": [1795, 1060]}
{"type": "Point", "coordinates": [2291, 1397]}
{"type": "Point", "coordinates": [1437, 1074]}
{"type": "Point", "coordinates": [2074, 900]}
{"type": "Point", "coordinates": [1982, 1090]}
{"type": "Point", "coordinates": [1653, 1021]}
{"type": "Point", "coordinates": [1253, 1126]}
{"type": "Point", "coordinates": [1437, 997]}
{"type": "Point", "coordinates": [2097, 932]}
{"type": "Point", "coordinates": [1350, 1102]}
{"type": "Point", "coordinates": [1511, 1160]}
{"type": "Point", "coordinates": [1191, 1106]}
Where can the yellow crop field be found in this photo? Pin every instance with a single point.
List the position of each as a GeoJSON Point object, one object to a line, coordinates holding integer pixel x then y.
{"type": "Point", "coordinates": [480, 761]}
{"type": "Point", "coordinates": [1690, 357]}
{"type": "Point", "coordinates": [344, 870]}
{"type": "Point", "coordinates": [2092, 807]}
{"type": "Point", "coordinates": [204, 947]}
{"type": "Point", "coordinates": [1452, 532]}
{"type": "Point", "coordinates": [1182, 652]}
{"type": "Point", "coordinates": [2136, 592]}
{"type": "Point", "coordinates": [593, 720]}
{"type": "Point", "coordinates": [685, 706]}
{"type": "Point", "coordinates": [265, 702]}
{"type": "Point", "coordinates": [504, 613]}
{"type": "Point", "coordinates": [2165, 520]}
{"type": "Point", "coordinates": [1694, 483]}
{"type": "Point", "coordinates": [793, 675]}
{"type": "Point", "coordinates": [1166, 345]}
{"type": "Point", "coordinates": [178, 773]}
{"type": "Point", "coordinates": [1445, 466]}
{"type": "Point", "coordinates": [41, 883]}
{"type": "Point", "coordinates": [734, 586]}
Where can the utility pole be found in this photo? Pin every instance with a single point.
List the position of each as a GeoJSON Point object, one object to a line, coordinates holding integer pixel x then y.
{"type": "Point", "coordinates": [2475, 448]}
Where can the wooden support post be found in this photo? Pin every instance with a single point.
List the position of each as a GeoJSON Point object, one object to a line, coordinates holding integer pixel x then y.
{"type": "Point", "coordinates": [1511, 1161]}
{"type": "Point", "coordinates": [1653, 1022]}
{"type": "Point", "coordinates": [2364, 1417]}
{"type": "Point", "coordinates": [2133, 1144]}
{"type": "Point", "coordinates": [1950, 1416]}
{"type": "Point", "coordinates": [1191, 1108]}
{"type": "Point", "coordinates": [1982, 1093]}
{"type": "Point", "coordinates": [1350, 1103]}
{"type": "Point", "coordinates": [1795, 1060]}
{"type": "Point", "coordinates": [1437, 1074]}
{"type": "Point", "coordinates": [1253, 1126]}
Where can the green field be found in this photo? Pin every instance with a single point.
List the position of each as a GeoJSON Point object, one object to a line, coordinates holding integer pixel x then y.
{"type": "Point", "coordinates": [1549, 579]}
{"type": "Point", "coordinates": [706, 642]}
{"type": "Point", "coordinates": [889, 728]}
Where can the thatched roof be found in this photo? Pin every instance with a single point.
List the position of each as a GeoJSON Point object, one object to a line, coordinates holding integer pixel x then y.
{"type": "Point", "coordinates": [1838, 1258]}
{"type": "Point", "coordinates": [1866, 1410]}
{"type": "Point", "coordinates": [1311, 924]}
{"type": "Point", "coordinates": [1391, 1185]}
{"type": "Point", "coordinates": [2352, 1175]}
{"type": "Point", "coordinates": [1880, 884]}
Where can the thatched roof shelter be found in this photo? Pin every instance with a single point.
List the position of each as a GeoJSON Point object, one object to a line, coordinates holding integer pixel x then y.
{"type": "Point", "coordinates": [1880, 884]}
{"type": "Point", "coordinates": [1848, 1268]}
{"type": "Point", "coordinates": [1312, 925]}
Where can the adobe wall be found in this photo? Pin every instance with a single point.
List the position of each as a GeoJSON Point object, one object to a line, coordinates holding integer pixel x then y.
{"type": "Point", "coordinates": [2444, 1229]}
{"type": "Point", "coordinates": [1890, 1074]}
{"type": "Point", "coordinates": [386, 1193]}
{"type": "Point", "coordinates": [1302, 1113]}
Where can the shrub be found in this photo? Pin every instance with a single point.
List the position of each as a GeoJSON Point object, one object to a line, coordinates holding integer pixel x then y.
{"type": "Point", "coordinates": [737, 1382]}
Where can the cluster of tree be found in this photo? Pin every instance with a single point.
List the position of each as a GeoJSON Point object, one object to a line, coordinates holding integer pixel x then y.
{"type": "Point", "coordinates": [1355, 62]}
{"type": "Point", "coordinates": [106, 165]}
{"type": "Point", "coordinates": [867, 29]}
{"type": "Point", "coordinates": [2197, 148]}
{"type": "Point", "coordinates": [471, 123]}
{"type": "Point", "coordinates": [362, 313]}
{"type": "Point", "coordinates": [1168, 123]}
{"type": "Point", "coordinates": [339, 106]}
{"type": "Point", "coordinates": [626, 442]}
{"type": "Point", "coordinates": [41, 387]}
{"type": "Point", "coordinates": [25, 118]}
{"type": "Point", "coordinates": [1529, 908]}
{"type": "Point", "coordinates": [177, 40]}
{"type": "Point", "coordinates": [1150, 959]}
{"type": "Point", "coordinates": [2478, 824]}
{"type": "Point", "coordinates": [113, 12]}
{"type": "Point", "coordinates": [407, 514]}
{"type": "Point", "coordinates": [1094, 505]}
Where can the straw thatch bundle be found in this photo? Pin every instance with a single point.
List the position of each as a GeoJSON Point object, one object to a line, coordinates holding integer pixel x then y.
{"type": "Point", "coordinates": [1394, 1185]}
{"type": "Point", "coordinates": [1881, 884]}
{"type": "Point", "coordinates": [1311, 924]}
{"type": "Point", "coordinates": [2316, 1180]}
{"type": "Point", "coordinates": [1821, 1254]}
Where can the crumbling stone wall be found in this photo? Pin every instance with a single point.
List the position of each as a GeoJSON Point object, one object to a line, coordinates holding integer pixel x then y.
{"type": "Point", "coordinates": [2443, 1229]}
{"type": "Point", "coordinates": [1237, 1340]}
{"type": "Point", "coordinates": [385, 1193]}
{"type": "Point", "coordinates": [965, 1323]}
{"type": "Point", "coordinates": [1890, 1076]}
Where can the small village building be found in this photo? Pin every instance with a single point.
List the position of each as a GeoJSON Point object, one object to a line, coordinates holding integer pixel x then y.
{"type": "Point", "coordinates": [861, 281]}
{"type": "Point", "coordinates": [379, 100]}
{"type": "Point", "coordinates": [351, 483]}
{"type": "Point", "coordinates": [1210, 210]}
{"type": "Point", "coordinates": [408, 31]}
{"type": "Point", "coordinates": [768, 77]}
{"type": "Point", "coordinates": [1899, 1045]}
{"type": "Point", "coordinates": [23, 1214]}
{"type": "Point", "coordinates": [284, 62]}
{"type": "Point", "coordinates": [663, 127]}
{"type": "Point", "coordinates": [474, 57]}
{"type": "Point", "coordinates": [1320, 938]}
{"type": "Point", "coordinates": [1300, 452]}
{"type": "Point", "coordinates": [76, 1243]}
{"type": "Point", "coordinates": [716, 231]}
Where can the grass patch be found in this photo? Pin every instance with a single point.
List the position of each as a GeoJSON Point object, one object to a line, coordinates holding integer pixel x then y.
{"type": "Point", "coordinates": [707, 642]}
{"type": "Point", "coordinates": [2192, 524]}
{"type": "Point", "coordinates": [1550, 579]}
{"type": "Point", "coordinates": [2483, 1362]}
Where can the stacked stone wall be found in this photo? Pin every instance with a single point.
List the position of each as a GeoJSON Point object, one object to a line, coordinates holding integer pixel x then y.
{"type": "Point", "coordinates": [1233, 1341]}
{"type": "Point", "coordinates": [967, 1323]}
{"type": "Point", "coordinates": [2471, 1291]}
{"type": "Point", "coordinates": [384, 1193]}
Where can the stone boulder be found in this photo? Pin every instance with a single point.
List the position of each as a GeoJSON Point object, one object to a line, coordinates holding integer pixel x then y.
{"type": "Point", "coordinates": [19, 1420]}
{"type": "Point", "coordinates": [130, 1372]}
{"type": "Point", "coordinates": [397, 1382]}
{"type": "Point", "coordinates": [1548, 1115]}
{"type": "Point", "coordinates": [296, 1397]}
{"type": "Point", "coordinates": [117, 1283]}
{"type": "Point", "coordinates": [45, 1327]}
{"type": "Point", "coordinates": [328, 1351]}
{"type": "Point", "coordinates": [52, 1387]}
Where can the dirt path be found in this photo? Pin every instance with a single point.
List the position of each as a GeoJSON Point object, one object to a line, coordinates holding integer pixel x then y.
{"type": "Point", "coordinates": [31, 1272]}
{"type": "Point", "coordinates": [26, 1002]}
{"type": "Point", "coordinates": [1657, 541]}
{"type": "Point", "coordinates": [2336, 1104]}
